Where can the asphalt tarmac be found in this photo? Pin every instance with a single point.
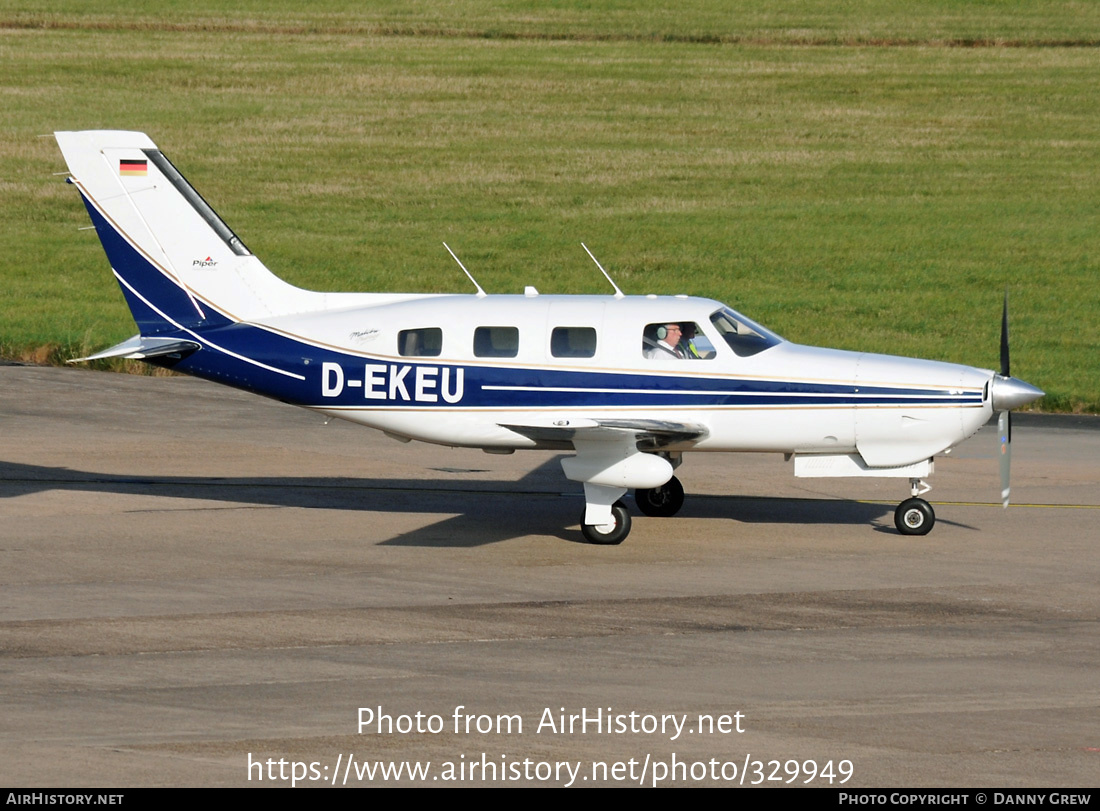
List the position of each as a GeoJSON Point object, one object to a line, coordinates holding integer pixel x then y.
{"type": "Point", "coordinates": [202, 588]}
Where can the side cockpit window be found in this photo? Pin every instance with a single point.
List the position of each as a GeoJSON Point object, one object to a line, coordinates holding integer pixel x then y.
{"type": "Point", "coordinates": [426, 342]}
{"type": "Point", "coordinates": [746, 338]}
{"type": "Point", "coordinates": [573, 342]}
{"type": "Point", "coordinates": [676, 340]}
{"type": "Point", "coordinates": [496, 342]}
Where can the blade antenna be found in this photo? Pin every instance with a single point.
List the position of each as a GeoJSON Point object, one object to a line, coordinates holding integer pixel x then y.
{"type": "Point", "coordinates": [618, 292]}
{"type": "Point", "coordinates": [480, 293]}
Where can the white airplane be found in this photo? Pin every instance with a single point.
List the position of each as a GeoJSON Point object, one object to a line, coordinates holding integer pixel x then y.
{"type": "Point", "coordinates": [627, 383]}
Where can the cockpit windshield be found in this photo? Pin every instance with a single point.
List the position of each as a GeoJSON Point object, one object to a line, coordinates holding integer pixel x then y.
{"type": "Point", "coordinates": [745, 337]}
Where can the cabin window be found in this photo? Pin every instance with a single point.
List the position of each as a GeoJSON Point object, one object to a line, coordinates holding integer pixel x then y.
{"type": "Point", "coordinates": [426, 342]}
{"type": "Point", "coordinates": [676, 340]}
{"type": "Point", "coordinates": [573, 342]}
{"type": "Point", "coordinates": [496, 342]}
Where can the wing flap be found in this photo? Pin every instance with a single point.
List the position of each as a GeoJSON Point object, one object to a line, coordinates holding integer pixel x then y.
{"type": "Point", "coordinates": [649, 434]}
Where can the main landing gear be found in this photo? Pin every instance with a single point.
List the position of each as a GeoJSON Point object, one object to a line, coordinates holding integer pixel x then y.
{"type": "Point", "coordinates": [609, 534]}
{"type": "Point", "coordinates": [915, 516]}
{"type": "Point", "coordinates": [661, 502]}
{"type": "Point", "coordinates": [658, 502]}
{"type": "Point", "coordinates": [608, 467]}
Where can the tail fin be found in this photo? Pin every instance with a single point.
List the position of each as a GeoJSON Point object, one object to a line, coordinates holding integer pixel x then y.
{"type": "Point", "coordinates": [179, 265]}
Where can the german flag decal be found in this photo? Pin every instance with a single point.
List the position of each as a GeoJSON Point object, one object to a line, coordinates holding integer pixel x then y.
{"type": "Point", "coordinates": [133, 168]}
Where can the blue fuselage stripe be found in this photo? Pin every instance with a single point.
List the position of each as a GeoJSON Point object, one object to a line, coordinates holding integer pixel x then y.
{"type": "Point", "coordinates": [341, 380]}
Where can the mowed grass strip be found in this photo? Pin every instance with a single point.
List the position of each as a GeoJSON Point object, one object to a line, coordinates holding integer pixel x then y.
{"type": "Point", "coordinates": [1019, 23]}
{"type": "Point", "coordinates": [868, 197]}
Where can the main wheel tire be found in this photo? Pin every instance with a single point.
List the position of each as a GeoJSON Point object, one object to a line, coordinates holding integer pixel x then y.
{"type": "Point", "coordinates": [661, 502]}
{"type": "Point", "coordinates": [609, 534]}
{"type": "Point", "coordinates": [914, 516]}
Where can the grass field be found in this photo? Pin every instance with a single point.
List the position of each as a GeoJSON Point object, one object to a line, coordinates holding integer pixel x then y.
{"type": "Point", "coordinates": [867, 175]}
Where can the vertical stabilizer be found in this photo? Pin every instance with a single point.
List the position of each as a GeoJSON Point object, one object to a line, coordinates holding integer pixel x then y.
{"type": "Point", "coordinates": [178, 263]}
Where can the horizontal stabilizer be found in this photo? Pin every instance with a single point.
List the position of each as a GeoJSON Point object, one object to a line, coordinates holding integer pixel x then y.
{"type": "Point", "coordinates": [142, 348]}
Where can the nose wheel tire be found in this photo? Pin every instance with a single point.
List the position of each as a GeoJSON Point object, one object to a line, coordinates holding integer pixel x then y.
{"type": "Point", "coordinates": [914, 516]}
{"type": "Point", "coordinates": [661, 502]}
{"type": "Point", "coordinates": [609, 534]}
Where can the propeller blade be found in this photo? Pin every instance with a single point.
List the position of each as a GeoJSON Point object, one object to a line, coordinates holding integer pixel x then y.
{"type": "Point", "coordinates": [1004, 431]}
{"type": "Point", "coordinates": [1004, 338]}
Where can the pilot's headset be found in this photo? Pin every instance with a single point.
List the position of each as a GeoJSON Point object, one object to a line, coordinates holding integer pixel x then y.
{"type": "Point", "coordinates": [662, 332]}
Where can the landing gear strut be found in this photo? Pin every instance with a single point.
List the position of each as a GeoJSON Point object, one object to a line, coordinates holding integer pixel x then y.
{"type": "Point", "coordinates": [661, 502]}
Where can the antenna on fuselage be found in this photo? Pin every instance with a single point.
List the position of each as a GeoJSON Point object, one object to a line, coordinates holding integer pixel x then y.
{"type": "Point", "coordinates": [480, 293]}
{"type": "Point", "coordinates": [618, 292]}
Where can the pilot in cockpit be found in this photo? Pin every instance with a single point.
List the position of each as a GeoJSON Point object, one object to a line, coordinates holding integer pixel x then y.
{"type": "Point", "coordinates": [687, 341]}
{"type": "Point", "coordinates": [665, 344]}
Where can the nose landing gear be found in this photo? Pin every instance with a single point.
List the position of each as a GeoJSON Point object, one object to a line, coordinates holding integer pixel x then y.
{"type": "Point", "coordinates": [915, 516]}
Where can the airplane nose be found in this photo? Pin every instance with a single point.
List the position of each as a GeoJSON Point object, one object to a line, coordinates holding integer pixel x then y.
{"type": "Point", "coordinates": [1009, 393]}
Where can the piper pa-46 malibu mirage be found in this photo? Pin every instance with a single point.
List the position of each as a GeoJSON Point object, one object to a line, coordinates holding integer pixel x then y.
{"type": "Point", "coordinates": [627, 383]}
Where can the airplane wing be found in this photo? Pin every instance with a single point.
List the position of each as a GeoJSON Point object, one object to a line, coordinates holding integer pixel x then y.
{"type": "Point", "coordinates": [648, 434]}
